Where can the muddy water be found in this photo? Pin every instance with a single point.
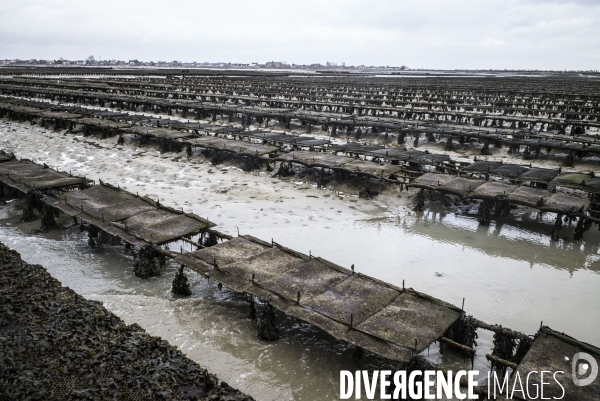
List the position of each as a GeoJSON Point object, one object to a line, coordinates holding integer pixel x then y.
{"type": "Point", "coordinates": [509, 273]}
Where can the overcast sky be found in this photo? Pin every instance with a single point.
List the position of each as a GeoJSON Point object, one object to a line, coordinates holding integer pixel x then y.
{"type": "Point", "coordinates": [512, 34]}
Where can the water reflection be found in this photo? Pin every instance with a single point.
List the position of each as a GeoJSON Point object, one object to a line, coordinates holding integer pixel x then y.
{"type": "Point", "coordinates": [525, 239]}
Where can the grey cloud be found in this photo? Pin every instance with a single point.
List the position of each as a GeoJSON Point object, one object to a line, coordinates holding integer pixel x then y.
{"type": "Point", "coordinates": [529, 34]}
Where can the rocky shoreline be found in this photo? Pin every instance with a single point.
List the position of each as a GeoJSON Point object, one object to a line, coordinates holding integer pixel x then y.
{"type": "Point", "coordinates": [55, 344]}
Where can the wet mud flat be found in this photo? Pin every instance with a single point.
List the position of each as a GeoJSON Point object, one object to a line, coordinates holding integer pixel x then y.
{"type": "Point", "coordinates": [55, 344]}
